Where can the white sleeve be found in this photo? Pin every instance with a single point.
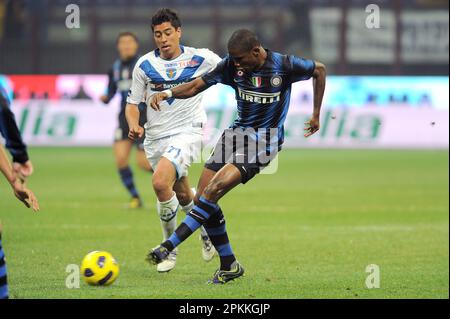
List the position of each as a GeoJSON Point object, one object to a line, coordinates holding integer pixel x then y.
{"type": "Point", "coordinates": [212, 58]}
{"type": "Point", "coordinates": [138, 86]}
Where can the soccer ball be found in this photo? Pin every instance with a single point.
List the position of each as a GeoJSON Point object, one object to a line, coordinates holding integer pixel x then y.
{"type": "Point", "coordinates": [99, 268]}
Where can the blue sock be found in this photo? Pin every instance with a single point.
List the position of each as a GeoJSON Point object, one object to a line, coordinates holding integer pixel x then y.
{"type": "Point", "coordinates": [194, 219]}
{"type": "Point", "coordinates": [217, 232]}
{"type": "Point", "coordinates": [126, 175]}
{"type": "Point", "coordinates": [3, 283]}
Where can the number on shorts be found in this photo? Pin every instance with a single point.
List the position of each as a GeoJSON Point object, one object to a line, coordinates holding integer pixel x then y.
{"type": "Point", "coordinates": [174, 149]}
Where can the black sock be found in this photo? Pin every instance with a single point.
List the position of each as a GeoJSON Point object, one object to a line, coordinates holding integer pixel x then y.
{"type": "Point", "coordinates": [126, 175]}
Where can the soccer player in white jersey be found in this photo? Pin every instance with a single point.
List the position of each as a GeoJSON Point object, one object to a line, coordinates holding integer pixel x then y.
{"type": "Point", "coordinates": [173, 136]}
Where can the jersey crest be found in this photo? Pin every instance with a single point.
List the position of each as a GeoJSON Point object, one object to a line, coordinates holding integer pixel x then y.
{"type": "Point", "coordinates": [171, 73]}
{"type": "Point", "coordinates": [257, 81]}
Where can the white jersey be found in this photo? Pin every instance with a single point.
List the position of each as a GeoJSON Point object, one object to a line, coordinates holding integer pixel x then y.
{"type": "Point", "coordinates": [153, 74]}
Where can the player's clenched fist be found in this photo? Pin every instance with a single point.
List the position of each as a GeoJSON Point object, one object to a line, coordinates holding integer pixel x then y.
{"type": "Point", "coordinates": [157, 99]}
{"type": "Point", "coordinates": [135, 132]}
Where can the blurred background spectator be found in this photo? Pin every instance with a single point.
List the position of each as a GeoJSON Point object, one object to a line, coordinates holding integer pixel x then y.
{"type": "Point", "coordinates": [412, 39]}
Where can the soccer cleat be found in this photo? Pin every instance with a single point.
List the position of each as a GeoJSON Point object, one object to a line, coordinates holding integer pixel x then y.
{"type": "Point", "coordinates": [208, 250]}
{"type": "Point", "coordinates": [135, 203]}
{"type": "Point", "coordinates": [169, 263]}
{"type": "Point", "coordinates": [157, 255]}
{"type": "Point", "coordinates": [224, 276]}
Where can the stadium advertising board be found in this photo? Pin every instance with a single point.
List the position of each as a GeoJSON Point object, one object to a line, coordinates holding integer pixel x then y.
{"type": "Point", "coordinates": [358, 112]}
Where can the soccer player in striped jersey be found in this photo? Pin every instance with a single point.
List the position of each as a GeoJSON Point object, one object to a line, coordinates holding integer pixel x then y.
{"type": "Point", "coordinates": [15, 176]}
{"type": "Point", "coordinates": [262, 80]}
{"type": "Point", "coordinates": [22, 165]}
{"type": "Point", "coordinates": [173, 136]}
{"type": "Point", "coordinates": [3, 276]}
{"type": "Point", "coordinates": [120, 77]}
{"type": "Point", "coordinates": [24, 195]}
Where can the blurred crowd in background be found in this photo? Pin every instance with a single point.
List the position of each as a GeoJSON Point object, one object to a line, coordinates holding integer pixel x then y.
{"type": "Point", "coordinates": [412, 38]}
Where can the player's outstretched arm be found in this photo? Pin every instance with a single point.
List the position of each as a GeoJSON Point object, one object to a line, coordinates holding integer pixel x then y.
{"type": "Point", "coordinates": [20, 190]}
{"type": "Point", "coordinates": [132, 116]}
{"type": "Point", "coordinates": [183, 91]}
{"type": "Point", "coordinates": [319, 80]}
{"type": "Point", "coordinates": [14, 142]}
{"type": "Point", "coordinates": [5, 166]}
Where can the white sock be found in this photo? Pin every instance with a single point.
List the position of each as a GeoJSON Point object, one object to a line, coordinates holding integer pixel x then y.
{"type": "Point", "coordinates": [189, 206]}
{"type": "Point", "coordinates": [203, 232]}
{"type": "Point", "coordinates": [187, 209]}
{"type": "Point", "coordinates": [167, 212]}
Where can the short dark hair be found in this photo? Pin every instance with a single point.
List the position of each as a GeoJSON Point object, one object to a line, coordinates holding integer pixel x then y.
{"type": "Point", "coordinates": [243, 40]}
{"type": "Point", "coordinates": [166, 15]}
{"type": "Point", "coordinates": [127, 34]}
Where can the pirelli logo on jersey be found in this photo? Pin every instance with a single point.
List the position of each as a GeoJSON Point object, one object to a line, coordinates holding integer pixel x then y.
{"type": "Point", "coordinates": [261, 98]}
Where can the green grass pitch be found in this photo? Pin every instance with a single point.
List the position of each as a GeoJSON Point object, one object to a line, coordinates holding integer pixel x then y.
{"type": "Point", "coordinates": [308, 231]}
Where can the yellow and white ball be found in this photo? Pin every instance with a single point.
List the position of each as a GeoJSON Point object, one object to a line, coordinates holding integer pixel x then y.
{"type": "Point", "coordinates": [99, 268]}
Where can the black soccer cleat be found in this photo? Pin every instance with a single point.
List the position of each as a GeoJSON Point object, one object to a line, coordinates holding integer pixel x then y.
{"type": "Point", "coordinates": [224, 276]}
{"type": "Point", "coordinates": [157, 255]}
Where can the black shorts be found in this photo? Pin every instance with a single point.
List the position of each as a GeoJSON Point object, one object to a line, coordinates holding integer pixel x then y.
{"type": "Point", "coordinates": [121, 132]}
{"type": "Point", "coordinates": [240, 148]}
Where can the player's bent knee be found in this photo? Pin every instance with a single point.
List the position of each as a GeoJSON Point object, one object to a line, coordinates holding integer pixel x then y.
{"type": "Point", "coordinates": [213, 190]}
{"type": "Point", "coordinates": [160, 184]}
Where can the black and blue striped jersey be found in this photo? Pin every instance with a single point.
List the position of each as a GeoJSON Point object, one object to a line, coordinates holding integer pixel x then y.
{"type": "Point", "coordinates": [120, 79]}
{"type": "Point", "coordinates": [262, 96]}
{"type": "Point", "coordinates": [9, 130]}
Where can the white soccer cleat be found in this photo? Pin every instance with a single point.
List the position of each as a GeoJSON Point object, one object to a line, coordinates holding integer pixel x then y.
{"type": "Point", "coordinates": [208, 250]}
{"type": "Point", "coordinates": [169, 263]}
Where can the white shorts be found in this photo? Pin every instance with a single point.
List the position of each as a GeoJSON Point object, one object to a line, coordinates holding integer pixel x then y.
{"type": "Point", "coordinates": [181, 149]}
